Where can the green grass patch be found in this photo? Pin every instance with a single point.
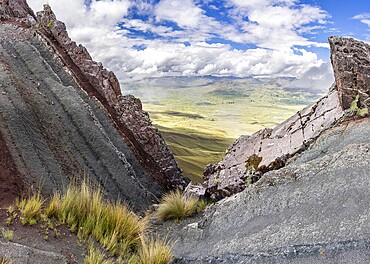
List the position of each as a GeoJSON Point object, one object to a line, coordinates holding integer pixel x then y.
{"type": "Point", "coordinates": [7, 233]}
{"type": "Point", "coordinates": [193, 150]}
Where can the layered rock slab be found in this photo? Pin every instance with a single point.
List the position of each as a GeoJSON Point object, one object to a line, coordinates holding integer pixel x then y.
{"type": "Point", "coordinates": [314, 210]}
{"type": "Point", "coordinates": [126, 110]}
{"type": "Point", "coordinates": [229, 175]}
{"type": "Point", "coordinates": [63, 116]}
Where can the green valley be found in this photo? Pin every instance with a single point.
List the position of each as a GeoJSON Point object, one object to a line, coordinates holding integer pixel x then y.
{"type": "Point", "coordinates": [200, 117]}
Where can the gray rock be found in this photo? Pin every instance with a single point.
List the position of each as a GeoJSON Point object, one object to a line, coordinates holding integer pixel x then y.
{"type": "Point", "coordinates": [135, 124]}
{"type": "Point", "coordinates": [62, 116]}
{"type": "Point", "coordinates": [273, 145]}
{"type": "Point", "coordinates": [18, 253]}
{"type": "Point", "coordinates": [314, 210]}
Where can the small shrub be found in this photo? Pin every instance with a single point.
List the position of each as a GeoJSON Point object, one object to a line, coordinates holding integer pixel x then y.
{"type": "Point", "coordinates": [154, 252]}
{"type": "Point", "coordinates": [175, 206]}
{"type": "Point", "coordinates": [30, 209]}
{"type": "Point", "coordinates": [354, 109]}
{"type": "Point", "coordinates": [4, 260]}
{"type": "Point", "coordinates": [50, 24]}
{"type": "Point", "coordinates": [8, 234]}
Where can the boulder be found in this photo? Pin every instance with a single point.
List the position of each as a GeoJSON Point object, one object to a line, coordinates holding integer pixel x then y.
{"type": "Point", "coordinates": [351, 64]}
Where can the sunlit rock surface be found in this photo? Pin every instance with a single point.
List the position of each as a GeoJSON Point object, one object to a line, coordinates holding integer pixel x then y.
{"type": "Point", "coordinates": [315, 208]}
{"type": "Point", "coordinates": [350, 59]}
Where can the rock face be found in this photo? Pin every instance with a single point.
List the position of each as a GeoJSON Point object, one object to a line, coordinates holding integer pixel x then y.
{"type": "Point", "coordinates": [63, 115]}
{"type": "Point", "coordinates": [351, 65]}
{"type": "Point", "coordinates": [16, 10]}
{"type": "Point", "coordinates": [350, 59]}
{"type": "Point", "coordinates": [312, 210]}
{"type": "Point", "coordinates": [125, 110]}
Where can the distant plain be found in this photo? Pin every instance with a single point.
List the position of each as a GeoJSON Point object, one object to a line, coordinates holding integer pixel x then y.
{"type": "Point", "coordinates": [199, 117]}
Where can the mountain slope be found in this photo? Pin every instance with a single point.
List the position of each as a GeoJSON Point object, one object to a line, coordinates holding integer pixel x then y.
{"type": "Point", "coordinates": [63, 116]}
{"type": "Point", "coordinates": [315, 208]}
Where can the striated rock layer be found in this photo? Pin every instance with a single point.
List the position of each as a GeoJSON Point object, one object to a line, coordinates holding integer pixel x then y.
{"type": "Point", "coordinates": [62, 115]}
{"type": "Point", "coordinates": [315, 210]}
{"type": "Point", "coordinates": [251, 156]}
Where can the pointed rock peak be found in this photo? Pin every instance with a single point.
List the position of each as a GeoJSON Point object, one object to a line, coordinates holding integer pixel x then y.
{"type": "Point", "coordinates": [17, 10]}
{"type": "Point", "coordinates": [351, 59]}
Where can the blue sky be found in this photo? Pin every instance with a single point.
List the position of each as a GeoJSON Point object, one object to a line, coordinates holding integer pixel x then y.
{"type": "Point", "coordinates": [241, 38]}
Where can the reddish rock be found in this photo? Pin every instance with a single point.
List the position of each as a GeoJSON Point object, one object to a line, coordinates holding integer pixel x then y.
{"type": "Point", "coordinates": [351, 64]}
{"type": "Point", "coordinates": [143, 136]}
{"type": "Point", "coordinates": [112, 139]}
{"type": "Point", "coordinates": [17, 10]}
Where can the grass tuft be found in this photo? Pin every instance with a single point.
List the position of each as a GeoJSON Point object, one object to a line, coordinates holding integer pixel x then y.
{"type": "Point", "coordinates": [113, 225]}
{"type": "Point", "coordinates": [175, 206]}
{"type": "Point", "coordinates": [83, 209]}
{"type": "Point", "coordinates": [30, 209]}
{"type": "Point", "coordinates": [53, 207]}
{"type": "Point", "coordinates": [7, 233]}
{"type": "Point", "coordinates": [154, 252]}
{"type": "Point", "coordinates": [4, 260]}
{"type": "Point", "coordinates": [95, 256]}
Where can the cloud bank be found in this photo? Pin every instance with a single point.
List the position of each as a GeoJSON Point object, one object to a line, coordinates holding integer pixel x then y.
{"type": "Point", "coordinates": [151, 38]}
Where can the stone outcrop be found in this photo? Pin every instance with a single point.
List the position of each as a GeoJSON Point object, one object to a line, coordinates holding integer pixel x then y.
{"type": "Point", "coordinates": [314, 210]}
{"type": "Point", "coordinates": [63, 115]}
{"type": "Point", "coordinates": [351, 65]}
{"type": "Point", "coordinates": [128, 110]}
{"type": "Point", "coordinates": [16, 10]}
{"type": "Point", "coordinates": [350, 59]}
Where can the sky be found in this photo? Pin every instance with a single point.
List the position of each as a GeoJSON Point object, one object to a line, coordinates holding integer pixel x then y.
{"type": "Point", "coordinates": [239, 38]}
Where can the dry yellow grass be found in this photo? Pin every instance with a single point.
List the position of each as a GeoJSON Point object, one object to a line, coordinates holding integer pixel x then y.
{"type": "Point", "coordinates": [112, 225]}
{"type": "Point", "coordinates": [4, 260]}
{"type": "Point", "coordinates": [175, 206]}
{"type": "Point", "coordinates": [30, 209]}
{"type": "Point", "coordinates": [155, 252]}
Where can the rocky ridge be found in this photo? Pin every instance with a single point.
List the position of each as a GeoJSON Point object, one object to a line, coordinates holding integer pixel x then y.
{"type": "Point", "coordinates": [62, 115]}
{"type": "Point", "coordinates": [314, 209]}
{"type": "Point", "coordinates": [144, 137]}
{"type": "Point", "coordinates": [251, 156]}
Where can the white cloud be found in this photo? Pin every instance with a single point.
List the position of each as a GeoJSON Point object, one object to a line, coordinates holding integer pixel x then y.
{"type": "Point", "coordinates": [272, 27]}
{"type": "Point", "coordinates": [277, 24]}
{"type": "Point", "coordinates": [364, 18]}
{"type": "Point", "coordinates": [184, 12]}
